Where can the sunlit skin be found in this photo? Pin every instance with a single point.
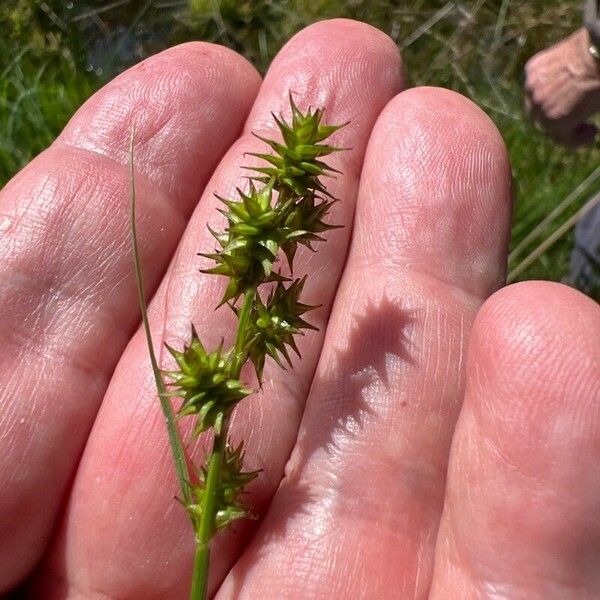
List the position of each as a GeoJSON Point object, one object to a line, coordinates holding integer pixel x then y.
{"type": "Point", "coordinates": [562, 85]}
{"type": "Point", "coordinates": [437, 436]}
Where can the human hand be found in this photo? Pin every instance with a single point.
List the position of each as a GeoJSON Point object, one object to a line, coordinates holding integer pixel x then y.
{"type": "Point", "coordinates": [410, 464]}
{"type": "Point", "coordinates": [562, 86]}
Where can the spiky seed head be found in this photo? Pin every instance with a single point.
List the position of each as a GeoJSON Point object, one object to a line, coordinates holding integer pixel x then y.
{"type": "Point", "coordinates": [203, 381]}
{"type": "Point", "coordinates": [232, 484]}
{"type": "Point", "coordinates": [258, 229]}
{"type": "Point", "coordinates": [274, 324]}
{"type": "Point", "coordinates": [296, 164]}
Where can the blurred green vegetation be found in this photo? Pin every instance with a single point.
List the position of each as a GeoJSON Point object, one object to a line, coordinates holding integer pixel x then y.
{"type": "Point", "coordinates": [56, 54]}
{"type": "Point", "coordinates": [41, 83]}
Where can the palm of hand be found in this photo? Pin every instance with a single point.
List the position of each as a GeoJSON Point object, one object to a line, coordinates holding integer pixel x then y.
{"type": "Point", "coordinates": [373, 503]}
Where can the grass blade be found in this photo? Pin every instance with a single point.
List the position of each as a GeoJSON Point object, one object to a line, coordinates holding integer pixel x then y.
{"type": "Point", "coordinates": [177, 450]}
{"type": "Point", "coordinates": [586, 208]}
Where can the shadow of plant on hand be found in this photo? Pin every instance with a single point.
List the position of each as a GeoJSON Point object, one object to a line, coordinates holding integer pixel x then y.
{"type": "Point", "coordinates": [343, 396]}
{"type": "Point", "coordinates": [376, 342]}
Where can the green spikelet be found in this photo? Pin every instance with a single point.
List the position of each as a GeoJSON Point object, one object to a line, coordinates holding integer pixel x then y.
{"type": "Point", "coordinates": [273, 325]}
{"type": "Point", "coordinates": [258, 229]}
{"type": "Point", "coordinates": [250, 245]}
{"type": "Point", "coordinates": [204, 383]}
{"type": "Point", "coordinates": [296, 164]}
{"type": "Point", "coordinates": [305, 220]}
{"type": "Point", "coordinates": [232, 484]}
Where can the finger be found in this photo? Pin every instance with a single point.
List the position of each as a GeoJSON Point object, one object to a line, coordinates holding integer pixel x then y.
{"type": "Point", "coordinates": [351, 70]}
{"type": "Point", "coordinates": [67, 295]}
{"type": "Point", "coordinates": [521, 511]}
{"type": "Point", "coordinates": [357, 512]}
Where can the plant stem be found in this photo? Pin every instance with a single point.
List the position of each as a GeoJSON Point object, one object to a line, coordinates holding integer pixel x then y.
{"type": "Point", "coordinates": [199, 589]}
{"type": "Point", "coordinates": [174, 437]}
{"type": "Point", "coordinates": [207, 525]}
{"type": "Point", "coordinates": [207, 521]}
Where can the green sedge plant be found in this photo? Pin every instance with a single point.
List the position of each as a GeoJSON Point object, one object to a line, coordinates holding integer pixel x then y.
{"type": "Point", "coordinates": [284, 207]}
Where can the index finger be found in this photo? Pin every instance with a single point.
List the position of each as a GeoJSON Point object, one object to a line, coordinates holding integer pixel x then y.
{"type": "Point", "coordinates": [67, 294]}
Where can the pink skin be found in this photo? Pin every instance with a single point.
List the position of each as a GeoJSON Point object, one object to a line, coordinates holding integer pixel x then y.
{"type": "Point", "coordinates": [352, 74]}
{"type": "Point", "coordinates": [357, 512]}
{"type": "Point", "coordinates": [364, 487]}
{"type": "Point", "coordinates": [521, 517]}
{"type": "Point", "coordinates": [68, 304]}
{"type": "Point", "coordinates": [562, 85]}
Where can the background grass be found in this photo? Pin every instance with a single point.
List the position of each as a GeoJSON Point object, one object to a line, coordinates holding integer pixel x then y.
{"type": "Point", "coordinates": [57, 53]}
